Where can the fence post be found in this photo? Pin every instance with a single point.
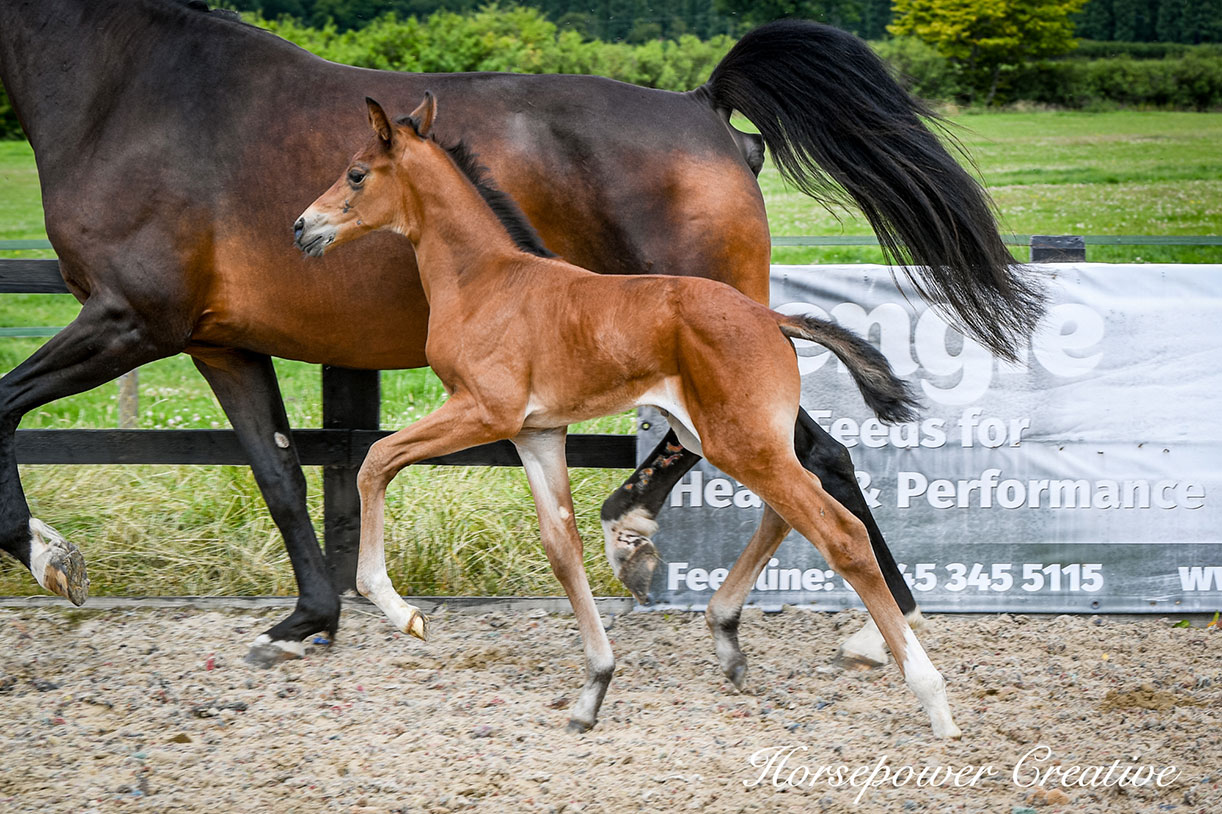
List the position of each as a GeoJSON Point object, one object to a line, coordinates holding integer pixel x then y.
{"type": "Point", "coordinates": [351, 399]}
{"type": "Point", "coordinates": [129, 400]}
{"type": "Point", "coordinates": [1058, 249]}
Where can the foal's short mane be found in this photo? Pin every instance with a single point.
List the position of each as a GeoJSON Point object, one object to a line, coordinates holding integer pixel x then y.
{"type": "Point", "coordinates": [502, 204]}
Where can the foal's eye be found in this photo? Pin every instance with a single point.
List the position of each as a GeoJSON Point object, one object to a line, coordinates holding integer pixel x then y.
{"type": "Point", "coordinates": [356, 177]}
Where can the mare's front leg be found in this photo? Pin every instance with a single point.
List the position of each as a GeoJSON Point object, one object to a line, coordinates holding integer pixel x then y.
{"type": "Point", "coordinates": [457, 424]}
{"type": "Point", "coordinates": [107, 339]}
{"type": "Point", "coordinates": [245, 384]}
{"type": "Point", "coordinates": [542, 454]}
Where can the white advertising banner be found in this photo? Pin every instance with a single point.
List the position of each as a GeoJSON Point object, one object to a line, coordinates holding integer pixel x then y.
{"type": "Point", "coordinates": [1088, 477]}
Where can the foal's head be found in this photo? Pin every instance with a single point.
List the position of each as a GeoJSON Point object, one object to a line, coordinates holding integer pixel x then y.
{"type": "Point", "coordinates": [373, 192]}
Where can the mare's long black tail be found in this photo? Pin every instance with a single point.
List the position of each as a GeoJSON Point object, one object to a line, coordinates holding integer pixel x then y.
{"type": "Point", "coordinates": [840, 127]}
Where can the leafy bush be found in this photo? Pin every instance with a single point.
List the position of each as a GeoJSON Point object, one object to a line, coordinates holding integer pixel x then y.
{"type": "Point", "coordinates": [9, 128]}
{"type": "Point", "coordinates": [921, 69]}
{"type": "Point", "coordinates": [1093, 49]}
{"type": "Point", "coordinates": [513, 39]}
{"type": "Point", "coordinates": [1192, 81]}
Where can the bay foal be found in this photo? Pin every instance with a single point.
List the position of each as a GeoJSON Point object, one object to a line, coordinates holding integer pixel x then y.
{"type": "Point", "coordinates": [527, 344]}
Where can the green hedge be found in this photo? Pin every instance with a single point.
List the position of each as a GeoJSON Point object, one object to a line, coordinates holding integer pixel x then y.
{"type": "Point", "coordinates": [9, 129]}
{"type": "Point", "coordinates": [1094, 49]}
{"type": "Point", "coordinates": [513, 39]}
{"type": "Point", "coordinates": [1192, 81]}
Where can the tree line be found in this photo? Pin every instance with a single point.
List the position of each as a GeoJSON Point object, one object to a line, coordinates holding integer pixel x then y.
{"type": "Point", "coordinates": [636, 21]}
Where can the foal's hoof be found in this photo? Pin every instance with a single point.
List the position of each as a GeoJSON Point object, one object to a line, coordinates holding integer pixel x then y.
{"type": "Point", "coordinates": [636, 571]}
{"type": "Point", "coordinates": [737, 673]}
{"type": "Point", "coordinates": [57, 564]}
{"type": "Point", "coordinates": [577, 727]}
{"type": "Point", "coordinates": [949, 732]}
{"type": "Point", "coordinates": [266, 653]}
{"type": "Point", "coordinates": [417, 625]}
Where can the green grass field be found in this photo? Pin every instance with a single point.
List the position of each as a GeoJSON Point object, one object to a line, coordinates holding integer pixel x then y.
{"type": "Point", "coordinates": [200, 530]}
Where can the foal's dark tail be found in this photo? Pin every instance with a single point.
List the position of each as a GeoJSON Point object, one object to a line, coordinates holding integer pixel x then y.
{"type": "Point", "coordinates": [884, 392]}
{"type": "Point", "coordinates": [841, 128]}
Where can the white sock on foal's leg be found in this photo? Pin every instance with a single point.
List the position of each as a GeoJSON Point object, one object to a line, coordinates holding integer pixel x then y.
{"type": "Point", "coordinates": [928, 686]}
{"type": "Point", "coordinates": [377, 588]}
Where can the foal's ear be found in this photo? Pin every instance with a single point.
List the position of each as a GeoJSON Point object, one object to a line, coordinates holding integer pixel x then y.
{"type": "Point", "coordinates": [379, 121]}
{"type": "Point", "coordinates": [422, 117]}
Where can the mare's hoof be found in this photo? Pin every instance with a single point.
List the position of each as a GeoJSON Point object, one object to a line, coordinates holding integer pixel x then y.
{"type": "Point", "coordinates": [418, 625]}
{"type": "Point", "coordinates": [577, 727]}
{"type": "Point", "coordinates": [266, 653]}
{"type": "Point", "coordinates": [65, 575]}
{"type": "Point", "coordinates": [57, 564]}
{"type": "Point", "coordinates": [636, 572]}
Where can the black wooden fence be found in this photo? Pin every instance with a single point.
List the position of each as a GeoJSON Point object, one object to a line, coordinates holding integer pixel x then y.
{"type": "Point", "coordinates": [351, 404]}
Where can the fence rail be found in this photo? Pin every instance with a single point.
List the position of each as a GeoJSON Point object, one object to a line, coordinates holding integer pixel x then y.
{"type": "Point", "coordinates": [351, 403]}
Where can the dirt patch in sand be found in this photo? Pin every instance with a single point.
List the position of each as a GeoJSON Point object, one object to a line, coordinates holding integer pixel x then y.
{"type": "Point", "coordinates": [154, 710]}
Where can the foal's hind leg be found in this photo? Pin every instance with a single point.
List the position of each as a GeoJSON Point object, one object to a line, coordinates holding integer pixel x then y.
{"type": "Point", "coordinates": [106, 340]}
{"type": "Point", "coordinates": [842, 540]}
{"type": "Point", "coordinates": [726, 605]}
{"type": "Point", "coordinates": [245, 384]}
{"type": "Point", "coordinates": [542, 456]}
{"type": "Point", "coordinates": [629, 514]}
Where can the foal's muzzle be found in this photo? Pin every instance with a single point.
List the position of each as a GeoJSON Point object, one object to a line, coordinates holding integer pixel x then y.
{"type": "Point", "coordinates": [313, 240]}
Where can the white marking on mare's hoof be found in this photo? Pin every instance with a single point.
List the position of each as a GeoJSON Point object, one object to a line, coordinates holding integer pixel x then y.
{"type": "Point", "coordinates": [630, 551]}
{"type": "Point", "coordinates": [866, 649]}
{"type": "Point", "coordinates": [57, 564]}
{"type": "Point", "coordinates": [267, 653]}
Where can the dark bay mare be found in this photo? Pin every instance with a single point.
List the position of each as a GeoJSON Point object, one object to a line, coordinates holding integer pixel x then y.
{"type": "Point", "coordinates": [174, 144]}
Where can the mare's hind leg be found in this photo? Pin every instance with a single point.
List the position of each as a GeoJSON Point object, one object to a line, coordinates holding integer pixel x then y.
{"type": "Point", "coordinates": [106, 340]}
{"type": "Point", "coordinates": [830, 461]}
{"type": "Point", "coordinates": [542, 456]}
{"type": "Point", "coordinates": [842, 540]}
{"type": "Point", "coordinates": [245, 384]}
{"type": "Point", "coordinates": [628, 515]}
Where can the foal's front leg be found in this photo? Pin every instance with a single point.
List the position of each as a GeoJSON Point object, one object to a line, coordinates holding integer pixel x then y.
{"type": "Point", "coordinates": [454, 426]}
{"type": "Point", "coordinates": [542, 454]}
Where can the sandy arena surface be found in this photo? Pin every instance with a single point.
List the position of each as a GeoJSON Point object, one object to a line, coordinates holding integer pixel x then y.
{"type": "Point", "coordinates": [154, 710]}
